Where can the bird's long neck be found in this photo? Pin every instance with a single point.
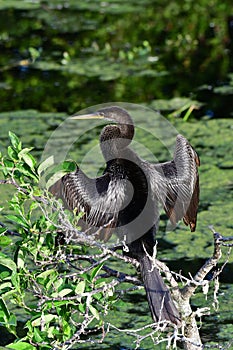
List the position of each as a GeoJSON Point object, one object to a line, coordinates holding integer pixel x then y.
{"type": "Point", "coordinates": [114, 139]}
{"type": "Point", "coordinates": [126, 131]}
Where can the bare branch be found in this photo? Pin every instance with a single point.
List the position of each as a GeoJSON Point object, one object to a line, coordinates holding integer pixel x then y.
{"type": "Point", "coordinates": [190, 288]}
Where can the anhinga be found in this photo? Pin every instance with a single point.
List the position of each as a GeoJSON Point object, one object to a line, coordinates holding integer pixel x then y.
{"type": "Point", "coordinates": [126, 198]}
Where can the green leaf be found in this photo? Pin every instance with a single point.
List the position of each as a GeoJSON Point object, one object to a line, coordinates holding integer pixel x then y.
{"type": "Point", "coordinates": [25, 170]}
{"type": "Point", "coordinates": [3, 230]}
{"type": "Point", "coordinates": [20, 259]}
{"type": "Point", "coordinates": [8, 164]}
{"type": "Point", "coordinates": [86, 277]}
{"type": "Point", "coordinates": [46, 273]}
{"type": "Point", "coordinates": [62, 293]}
{"type": "Point", "coordinates": [46, 164]}
{"type": "Point", "coordinates": [5, 241]}
{"type": "Point", "coordinates": [29, 160]}
{"type": "Point", "coordinates": [100, 282]}
{"type": "Point", "coordinates": [34, 53]}
{"type": "Point", "coordinates": [58, 283]}
{"type": "Point", "coordinates": [94, 312]}
{"type": "Point", "coordinates": [4, 287]}
{"type": "Point", "coordinates": [15, 141]}
{"type": "Point", "coordinates": [9, 263]}
{"type": "Point", "coordinates": [4, 308]}
{"type": "Point", "coordinates": [16, 282]}
{"type": "Point", "coordinates": [21, 346]}
{"type": "Point", "coordinates": [69, 166]}
{"type": "Point", "coordinates": [54, 178]}
{"type": "Point", "coordinates": [67, 330]}
{"type": "Point", "coordinates": [45, 319]}
{"type": "Point", "coordinates": [95, 271]}
{"type": "Point", "coordinates": [12, 153]}
{"type": "Point", "coordinates": [98, 296]}
{"type": "Point", "coordinates": [58, 303]}
{"type": "Point", "coordinates": [33, 205]}
{"type": "Point", "coordinates": [80, 288]}
{"type": "Point", "coordinates": [4, 274]}
{"type": "Point", "coordinates": [58, 171]}
{"type": "Point", "coordinates": [37, 336]}
{"type": "Point", "coordinates": [82, 308]}
{"type": "Point", "coordinates": [42, 277]}
{"type": "Point", "coordinates": [12, 320]}
{"type": "Point", "coordinates": [18, 220]}
{"type": "Point", "coordinates": [51, 331]}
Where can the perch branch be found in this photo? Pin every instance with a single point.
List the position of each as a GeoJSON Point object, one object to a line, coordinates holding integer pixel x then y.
{"type": "Point", "coordinates": [198, 279]}
{"type": "Point", "coordinates": [121, 276]}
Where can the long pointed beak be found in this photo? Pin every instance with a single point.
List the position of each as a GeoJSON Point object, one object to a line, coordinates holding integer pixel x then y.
{"type": "Point", "coordinates": [88, 116]}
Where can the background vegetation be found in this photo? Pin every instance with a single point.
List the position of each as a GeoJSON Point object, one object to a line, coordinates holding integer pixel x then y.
{"type": "Point", "coordinates": [58, 57]}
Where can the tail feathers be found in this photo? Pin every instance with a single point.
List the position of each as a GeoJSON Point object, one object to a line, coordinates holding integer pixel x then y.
{"type": "Point", "coordinates": [161, 305]}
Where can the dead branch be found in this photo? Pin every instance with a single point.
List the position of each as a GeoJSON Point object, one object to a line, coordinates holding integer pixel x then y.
{"type": "Point", "coordinates": [198, 279]}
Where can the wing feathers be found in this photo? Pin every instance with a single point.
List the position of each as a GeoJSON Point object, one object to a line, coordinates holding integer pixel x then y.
{"type": "Point", "coordinates": [100, 199]}
{"type": "Point", "coordinates": [176, 184]}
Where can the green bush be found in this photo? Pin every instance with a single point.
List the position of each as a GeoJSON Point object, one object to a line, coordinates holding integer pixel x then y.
{"type": "Point", "coordinates": [60, 299]}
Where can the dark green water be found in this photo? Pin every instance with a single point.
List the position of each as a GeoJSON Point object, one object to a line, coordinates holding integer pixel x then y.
{"type": "Point", "coordinates": [65, 56]}
{"type": "Point", "coordinates": [58, 58]}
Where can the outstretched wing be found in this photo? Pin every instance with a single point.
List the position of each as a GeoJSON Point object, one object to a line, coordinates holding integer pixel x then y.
{"type": "Point", "coordinates": [100, 199]}
{"type": "Point", "coordinates": [176, 184]}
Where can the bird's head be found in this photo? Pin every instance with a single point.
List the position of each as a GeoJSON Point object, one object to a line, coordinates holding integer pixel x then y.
{"type": "Point", "coordinates": [114, 114]}
{"type": "Point", "coordinates": [113, 137]}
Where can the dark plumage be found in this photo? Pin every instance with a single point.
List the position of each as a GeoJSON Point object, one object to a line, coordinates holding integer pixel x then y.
{"type": "Point", "coordinates": [126, 198]}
